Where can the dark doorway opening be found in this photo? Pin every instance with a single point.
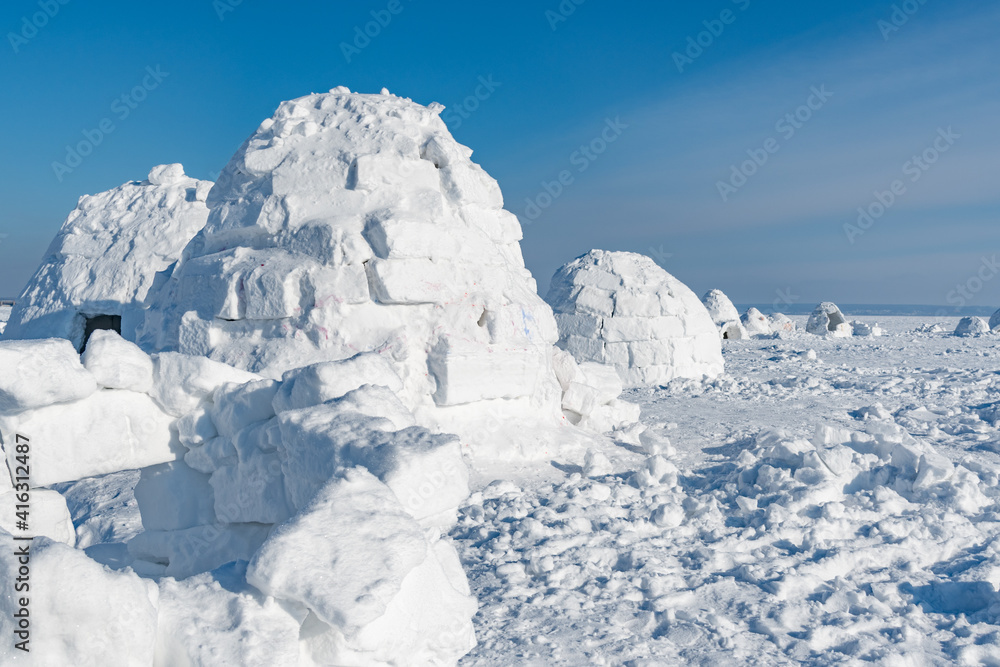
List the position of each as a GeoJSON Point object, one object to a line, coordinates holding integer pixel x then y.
{"type": "Point", "coordinates": [97, 322]}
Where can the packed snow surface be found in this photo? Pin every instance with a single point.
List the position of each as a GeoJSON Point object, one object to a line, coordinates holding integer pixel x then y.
{"type": "Point", "coordinates": [107, 254]}
{"type": "Point", "coordinates": [827, 501]}
{"type": "Point", "coordinates": [622, 309]}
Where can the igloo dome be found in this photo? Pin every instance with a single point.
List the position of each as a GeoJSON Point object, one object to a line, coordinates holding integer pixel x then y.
{"type": "Point", "coordinates": [352, 223]}
{"type": "Point", "coordinates": [100, 267]}
{"type": "Point", "coordinates": [972, 326]}
{"type": "Point", "coordinates": [622, 309]}
{"type": "Point", "coordinates": [827, 320]}
{"type": "Point", "coordinates": [724, 314]}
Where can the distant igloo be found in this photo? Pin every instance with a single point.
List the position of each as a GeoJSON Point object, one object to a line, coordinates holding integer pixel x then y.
{"type": "Point", "coordinates": [972, 326]}
{"type": "Point", "coordinates": [724, 314]}
{"type": "Point", "coordinates": [99, 268]}
{"type": "Point", "coordinates": [621, 308]}
{"type": "Point", "coordinates": [756, 323]}
{"type": "Point", "coordinates": [827, 320]}
{"type": "Point", "coordinates": [995, 321]}
{"type": "Point", "coordinates": [352, 223]}
{"type": "Point", "coordinates": [781, 323]}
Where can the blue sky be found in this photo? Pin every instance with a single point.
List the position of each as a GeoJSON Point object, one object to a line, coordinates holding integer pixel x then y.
{"type": "Point", "coordinates": [565, 78]}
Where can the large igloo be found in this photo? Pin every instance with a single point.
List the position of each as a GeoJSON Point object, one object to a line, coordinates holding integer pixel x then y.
{"type": "Point", "coordinates": [99, 269]}
{"type": "Point", "coordinates": [622, 309]}
{"type": "Point", "coordinates": [351, 223]}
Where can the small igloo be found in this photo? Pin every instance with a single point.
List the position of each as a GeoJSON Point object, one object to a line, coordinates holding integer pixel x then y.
{"type": "Point", "coordinates": [622, 309]}
{"type": "Point", "coordinates": [756, 323]}
{"type": "Point", "coordinates": [781, 323]}
{"type": "Point", "coordinates": [724, 314]}
{"type": "Point", "coordinates": [972, 326]}
{"type": "Point", "coordinates": [99, 269]}
{"type": "Point", "coordinates": [827, 320]}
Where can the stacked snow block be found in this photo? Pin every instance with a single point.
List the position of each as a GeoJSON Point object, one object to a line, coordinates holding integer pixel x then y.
{"type": "Point", "coordinates": [105, 258]}
{"type": "Point", "coordinates": [621, 309]}
{"type": "Point", "coordinates": [315, 499]}
{"type": "Point", "coordinates": [355, 223]}
{"type": "Point", "coordinates": [590, 395]}
{"type": "Point", "coordinates": [724, 314]}
{"type": "Point", "coordinates": [827, 320]}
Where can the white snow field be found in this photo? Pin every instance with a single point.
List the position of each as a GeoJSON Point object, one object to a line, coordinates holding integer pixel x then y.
{"type": "Point", "coordinates": [827, 501]}
{"type": "Point", "coordinates": [342, 433]}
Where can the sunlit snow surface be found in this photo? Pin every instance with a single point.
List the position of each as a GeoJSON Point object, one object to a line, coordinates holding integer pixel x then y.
{"type": "Point", "coordinates": [870, 539]}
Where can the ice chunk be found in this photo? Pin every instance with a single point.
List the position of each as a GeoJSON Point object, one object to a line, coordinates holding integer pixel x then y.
{"type": "Point", "coordinates": [38, 373]}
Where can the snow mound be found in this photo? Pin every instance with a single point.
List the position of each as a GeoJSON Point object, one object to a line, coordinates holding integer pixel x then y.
{"type": "Point", "coordinates": [105, 258]}
{"type": "Point", "coordinates": [859, 328]}
{"type": "Point", "coordinates": [351, 223]}
{"type": "Point", "coordinates": [622, 309]}
{"type": "Point", "coordinates": [756, 323]}
{"type": "Point", "coordinates": [972, 326]}
{"type": "Point", "coordinates": [827, 320]}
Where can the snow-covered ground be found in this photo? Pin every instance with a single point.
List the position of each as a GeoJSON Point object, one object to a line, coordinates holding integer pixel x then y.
{"type": "Point", "coordinates": [824, 508]}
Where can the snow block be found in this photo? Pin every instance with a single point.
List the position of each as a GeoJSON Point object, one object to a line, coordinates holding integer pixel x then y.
{"type": "Point", "coordinates": [355, 533]}
{"type": "Point", "coordinates": [459, 367]}
{"type": "Point", "coordinates": [318, 383]}
{"type": "Point", "coordinates": [116, 363]}
{"type": "Point", "coordinates": [49, 516]}
{"type": "Point", "coordinates": [80, 610]}
{"type": "Point", "coordinates": [180, 381]}
{"type": "Point", "coordinates": [40, 373]}
{"type": "Point", "coordinates": [110, 430]}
